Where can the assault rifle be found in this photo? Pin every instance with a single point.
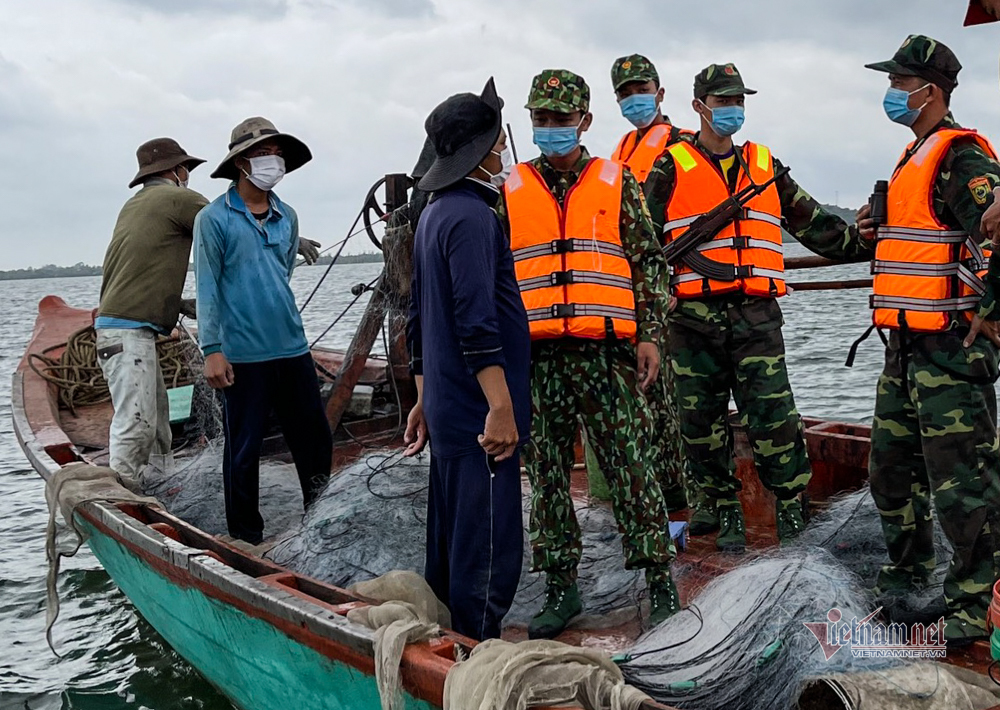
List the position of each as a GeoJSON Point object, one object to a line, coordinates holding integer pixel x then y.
{"type": "Point", "coordinates": [704, 228]}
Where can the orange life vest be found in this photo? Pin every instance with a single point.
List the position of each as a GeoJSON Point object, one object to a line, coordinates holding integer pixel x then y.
{"type": "Point", "coordinates": [927, 275]}
{"type": "Point", "coordinates": [574, 277]}
{"type": "Point", "coordinates": [639, 156]}
{"type": "Point", "coordinates": [752, 242]}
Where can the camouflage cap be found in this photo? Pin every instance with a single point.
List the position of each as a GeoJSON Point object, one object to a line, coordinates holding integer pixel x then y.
{"type": "Point", "coordinates": [720, 80]}
{"type": "Point", "coordinates": [559, 90]}
{"type": "Point", "coordinates": [634, 67]}
{"type": "Point", "coordinates": [927, 58]}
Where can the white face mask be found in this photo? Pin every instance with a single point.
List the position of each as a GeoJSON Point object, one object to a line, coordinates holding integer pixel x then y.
{"type": "Point", "coordinates": [506, 167]}
{"type": "Point", "coordinates": [184, 182]}
{"type": "Point", "coordinates": [266, 171]}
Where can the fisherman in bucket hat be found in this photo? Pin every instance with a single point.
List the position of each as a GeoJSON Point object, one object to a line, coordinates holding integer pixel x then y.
{"type": "Point", "coordinates": [468, 336]}
{"type": "Point", "coordinates": [144, 271]}
{"type": "Point", "coordinates": [249, 327]}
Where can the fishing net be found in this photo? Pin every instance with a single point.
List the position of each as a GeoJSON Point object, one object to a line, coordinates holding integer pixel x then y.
{"type": "Point", "coordinates": [371, 519]}
{"type": "Point", "coordinates": [741, 643]}
{"type": "Point", "coordinates": [851, 531]}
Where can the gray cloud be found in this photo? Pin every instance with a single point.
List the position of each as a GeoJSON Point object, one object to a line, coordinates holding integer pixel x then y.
{"type": "Point", "coordinates": [263, 9]}
{"type": "Point", "coordinates": [81, 85]}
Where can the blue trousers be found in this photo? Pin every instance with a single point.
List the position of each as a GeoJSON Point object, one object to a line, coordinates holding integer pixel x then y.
{"type": "Point", "coordinates": [474, 539]}
{"type": "Point", "coordinates": [289, 388]}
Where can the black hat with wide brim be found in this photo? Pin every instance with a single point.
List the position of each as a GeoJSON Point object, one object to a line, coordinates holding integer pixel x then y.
{"type": "Point", "coordinates": [463, 130]}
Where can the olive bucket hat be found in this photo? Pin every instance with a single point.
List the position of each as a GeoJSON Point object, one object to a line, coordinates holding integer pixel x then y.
{"type": "Point", "coordinates": [462, 131]}
{"type": "Point", "coordinates": [158, 156]}
{"type": "Point", "coordinates": [257, 130]}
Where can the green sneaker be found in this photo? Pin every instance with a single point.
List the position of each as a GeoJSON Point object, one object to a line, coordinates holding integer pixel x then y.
{"type": "Point", "coordinates": [704, 519]}
{"type": "Point", "coordinates": [732, 529]}
{"type": "Point", "coordinates": [561, 605]}
{"type": "Point", "coordinates": [788, 514]}
{"type": "Point", "coordinates": [664, 601]}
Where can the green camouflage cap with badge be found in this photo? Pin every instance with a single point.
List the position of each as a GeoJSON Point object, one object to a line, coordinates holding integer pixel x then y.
{"type": "Point", "coordinates": [919, 55]}
{"type": "Point", "coordinates": [559, 90]}
{"type": "Point", "coordinates": [720, 80]}
{"type": "Point", "coordinates": [634, 67]}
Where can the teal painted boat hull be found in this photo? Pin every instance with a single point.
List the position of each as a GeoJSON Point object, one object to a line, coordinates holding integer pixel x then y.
{"type": "Point", "coordinates": [253, 663]}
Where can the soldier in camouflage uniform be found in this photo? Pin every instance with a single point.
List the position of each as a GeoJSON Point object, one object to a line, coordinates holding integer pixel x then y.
{"type": "Point", "coordinates": [635, 76]}
{"type": "Point", "coordinates": [596, 380]}
{"type": "Point", "coordinates": [934, 436]}
{"type": "Point", "coordinates": [731, 343]}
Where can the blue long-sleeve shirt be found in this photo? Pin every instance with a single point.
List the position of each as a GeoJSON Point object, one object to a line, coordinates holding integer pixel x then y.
{"type": "Point", "coordinates": [466, 314]}
{"type": "Point", "coordinates": [246, 307]}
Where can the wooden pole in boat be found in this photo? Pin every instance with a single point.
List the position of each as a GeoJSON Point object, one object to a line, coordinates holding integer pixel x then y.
{"type": "Point", "coordinates": [829, 285]}
{"type": "Point", "coordinates": [388, 290]}
{"type": "Point", "coordinates": [810, 262]}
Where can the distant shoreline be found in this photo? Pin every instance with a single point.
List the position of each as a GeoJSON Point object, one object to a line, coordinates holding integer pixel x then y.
{"type": "Point", "coordinates": [51, 271]}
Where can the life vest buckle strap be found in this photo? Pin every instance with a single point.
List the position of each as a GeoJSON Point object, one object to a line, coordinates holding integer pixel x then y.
{"type": "Point", "coordinates": [562, 246]}
{"type": "Point", "coordinates": [561, 278]}
{"type": "Point", "coordinates": [743, 272]}
{"type": "Point", "coordinates": [739, 243]}
{"type": "Point", "coordinates": [564, 310]}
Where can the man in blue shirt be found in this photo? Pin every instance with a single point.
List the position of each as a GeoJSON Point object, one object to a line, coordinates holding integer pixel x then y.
{"type": "Point", "coordinates": [468, 336]}
{"type": "Point", "coordinates": [249, 327]}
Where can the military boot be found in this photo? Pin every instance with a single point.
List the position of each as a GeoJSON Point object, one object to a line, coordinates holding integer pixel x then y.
{"type": "Point", "coordinates": [562, 603]}
{"type": "Point", "coordinates": [963, 630]}
{"type": "Point", "coordinates": [664, 601]}
{"type": "Point", "coordinates": [788, 514]}
{"type": "Point", "coordinates": [675, 498]}
{"type": "Point", "coordinates": [704, 518]}
{"type": "Point", "coordinates": [732, 529]}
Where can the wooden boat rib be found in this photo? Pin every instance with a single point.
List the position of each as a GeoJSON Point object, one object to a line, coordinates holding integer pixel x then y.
{"type": "Point", "coordinates": [268, 637]}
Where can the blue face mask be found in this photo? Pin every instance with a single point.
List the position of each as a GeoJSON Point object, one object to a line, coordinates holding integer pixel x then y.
{"type": "Point", "coordinates": [726, 120]}
{"type": "Point", "coordinates": [639, 109]}
{"type": "Point", "coordinates": [897, 105]}
{"type": "Point", "coordinates": [557, 140]}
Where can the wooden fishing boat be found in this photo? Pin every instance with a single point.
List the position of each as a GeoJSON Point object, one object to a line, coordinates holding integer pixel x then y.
{"type": "Point", "coordinates": [268, 637]}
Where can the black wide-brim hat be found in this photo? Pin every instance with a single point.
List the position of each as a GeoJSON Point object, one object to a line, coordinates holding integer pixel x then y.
{"type": "Point", "coordinates": [463, 130]}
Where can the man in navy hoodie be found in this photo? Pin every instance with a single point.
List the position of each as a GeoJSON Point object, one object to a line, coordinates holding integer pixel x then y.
{"type": "Point", "coordinates": [468, 337]}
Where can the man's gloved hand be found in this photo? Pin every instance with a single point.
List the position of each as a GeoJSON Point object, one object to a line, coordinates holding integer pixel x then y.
{"type": "Point", "coordinates": [309, 250]}
{"type": "Point", "coordinates": [188, 309]}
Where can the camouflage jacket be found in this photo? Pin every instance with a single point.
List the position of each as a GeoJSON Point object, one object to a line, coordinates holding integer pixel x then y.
{"type": "Point", "coordinates": [802, 216]}
{"type": "Point", "coordinates": [956, 203]}
{"type": "Point", "coordinates": [959, 200]}
{"type": "Point", "coordinates": [649, 267]}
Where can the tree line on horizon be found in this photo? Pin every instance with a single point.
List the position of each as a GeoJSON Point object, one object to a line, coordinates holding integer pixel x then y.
{"type": "Point", "coordinates": [51, 271]}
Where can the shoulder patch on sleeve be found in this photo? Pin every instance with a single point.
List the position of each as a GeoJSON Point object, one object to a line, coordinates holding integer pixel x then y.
{"type": "Point", "coordinates": [980, 189]}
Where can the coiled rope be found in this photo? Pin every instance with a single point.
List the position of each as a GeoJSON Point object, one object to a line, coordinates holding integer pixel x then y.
{"type": "Point", "coordinates": [78, 377]}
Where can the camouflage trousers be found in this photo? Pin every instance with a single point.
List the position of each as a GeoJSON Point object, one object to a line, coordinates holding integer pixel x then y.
{"type": "Point", "coordinates": [934, 441]}
{"type": "Point", "coordinates": [665, 454]}
{"type": "Point", "coordinates": [732, 345]}
{"type": "Point", "coordinates": [571, 382]}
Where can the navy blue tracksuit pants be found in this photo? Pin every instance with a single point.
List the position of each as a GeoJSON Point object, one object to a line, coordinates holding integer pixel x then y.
{"type": "Point", "coordinates": [474, 539]}
{"type": "Point", "coordinates": [290, 389]}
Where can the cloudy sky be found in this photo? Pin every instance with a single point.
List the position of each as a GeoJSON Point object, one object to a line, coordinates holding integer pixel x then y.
{"type": "Point", "coordinates": [83, 82]}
